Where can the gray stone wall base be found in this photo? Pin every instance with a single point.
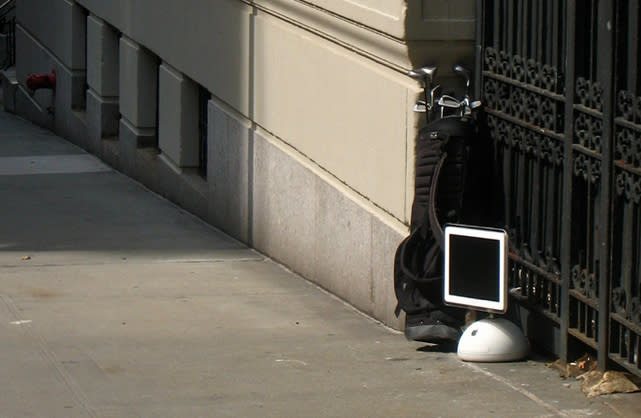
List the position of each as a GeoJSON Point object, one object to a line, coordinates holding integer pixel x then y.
{"type": "Point", "coordinates": [29, 108]}
{"type": "Point", "coordinates": [9, 89]}
{"type": "Point", "coordinates": [110, 152]}
{"type": "Point", "coordinates": [265, 193]}
{"type": "Point", "coordinates": [102, 120]}
{"type": "Point", "coordinates": [131, 139]}
{"type": "Point", "coordinates": [184, 186]}
{"type": "Point", "coordinates": [309, 222]}
{"type": "Point", "coordinates": [229, 170]}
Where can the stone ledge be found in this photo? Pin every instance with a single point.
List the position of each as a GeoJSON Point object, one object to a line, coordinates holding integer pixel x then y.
{"type": "Point", "coordinates": [382, 48]}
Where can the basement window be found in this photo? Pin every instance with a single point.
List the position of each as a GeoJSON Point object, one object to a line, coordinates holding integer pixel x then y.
{"type": "Point", "coordinates": [203, 128]}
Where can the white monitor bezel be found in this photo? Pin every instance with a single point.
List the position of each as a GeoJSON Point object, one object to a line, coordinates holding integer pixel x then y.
{"type": "Point", "coordinates": [485, 233]}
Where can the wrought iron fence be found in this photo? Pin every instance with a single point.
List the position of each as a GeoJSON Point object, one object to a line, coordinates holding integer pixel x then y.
{"type": "Point", "coordinates": [562, 92]}
{"type": "Point", "coordinates": [8, 31]}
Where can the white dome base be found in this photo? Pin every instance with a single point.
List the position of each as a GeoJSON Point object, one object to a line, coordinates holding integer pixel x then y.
{"type": "Point", "coordinates": [493, 340]}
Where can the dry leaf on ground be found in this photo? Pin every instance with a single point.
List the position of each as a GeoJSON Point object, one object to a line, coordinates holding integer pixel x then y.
{"type": "Point", "coordinates": [597, 383]}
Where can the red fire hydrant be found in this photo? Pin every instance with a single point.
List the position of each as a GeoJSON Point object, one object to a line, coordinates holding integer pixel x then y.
{"type": "Point", "coordinates": [42, 81]}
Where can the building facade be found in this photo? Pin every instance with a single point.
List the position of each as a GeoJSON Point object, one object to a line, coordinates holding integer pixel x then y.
{"type": "Point", "coordinates": [286, 123]}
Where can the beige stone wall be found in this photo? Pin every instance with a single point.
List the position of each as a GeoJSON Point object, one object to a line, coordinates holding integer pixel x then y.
{"type": "Point", "coordinates": [311, 132]}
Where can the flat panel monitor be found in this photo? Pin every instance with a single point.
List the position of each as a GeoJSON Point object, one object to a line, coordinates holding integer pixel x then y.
{"type": "Point", "coordinates": [475, 265]}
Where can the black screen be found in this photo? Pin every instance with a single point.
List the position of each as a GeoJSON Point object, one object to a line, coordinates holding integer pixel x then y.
{"type": "Point", "coordinates": [474, 267]}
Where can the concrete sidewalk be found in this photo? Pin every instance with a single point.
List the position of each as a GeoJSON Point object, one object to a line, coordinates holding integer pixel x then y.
{"type": "Point", "coordinates": [116, 303]}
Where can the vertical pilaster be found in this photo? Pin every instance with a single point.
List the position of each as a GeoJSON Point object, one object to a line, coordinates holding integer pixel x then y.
{"type": "Point", "coordinates": [102, 81]}
{"type": "Point", "coordinates": [178, 117]}
{"type": "Point", "coordinates": [138, 98]}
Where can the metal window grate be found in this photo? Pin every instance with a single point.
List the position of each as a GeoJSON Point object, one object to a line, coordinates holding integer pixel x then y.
{"type": "Point", "coordinates": [203, 100]}
{"type": "Point", "coordinates": [8, 30]}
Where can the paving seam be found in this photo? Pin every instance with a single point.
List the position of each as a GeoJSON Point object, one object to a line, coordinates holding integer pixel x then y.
{"type": "Point", "coordinates": [612, 406]}
{"type": "Point", "coordinates": [334, 297]}
{"type": "Point", "coordinates": [50, 358]}
{"type": "Point", "coordinates": [522, 391]}
{"type": "Point", "coordinates": [28, 165]}
{"type": "Point", "coordinates": [135, 262]}
{"type": "Point", "coordinates": [205, 261]}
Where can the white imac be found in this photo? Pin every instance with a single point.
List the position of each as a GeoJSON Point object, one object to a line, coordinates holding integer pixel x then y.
{"type": "Point", "coordinates": [475, 268]}
{"type": "Point", "coordinates": [475, 277]}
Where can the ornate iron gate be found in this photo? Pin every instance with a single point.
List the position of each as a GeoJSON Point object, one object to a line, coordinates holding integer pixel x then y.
{"type": "Point", "coordinates": [562, 93]}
